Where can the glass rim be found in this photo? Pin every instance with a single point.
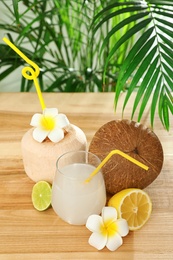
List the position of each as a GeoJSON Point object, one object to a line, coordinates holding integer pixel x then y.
{"type": "Point", "coordinates": [73, 152]}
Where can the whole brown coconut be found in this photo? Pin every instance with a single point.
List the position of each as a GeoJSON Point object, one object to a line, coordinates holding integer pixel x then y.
{"type": "Point", "coordinates": [135, 140]}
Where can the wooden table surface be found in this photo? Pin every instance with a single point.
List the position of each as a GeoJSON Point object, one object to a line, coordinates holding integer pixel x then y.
{"type": "Point", "coordinates": [28, 234]}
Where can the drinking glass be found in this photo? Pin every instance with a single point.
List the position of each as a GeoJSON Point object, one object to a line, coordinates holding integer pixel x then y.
{"type": "Point", "coordinates": [73, 199]}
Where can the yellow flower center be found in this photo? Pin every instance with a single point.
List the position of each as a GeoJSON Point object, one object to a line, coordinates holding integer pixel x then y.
{"type": "Point", "coordinates": [47, 123]}
{"type": "Point", "coordinates": [109, 228]}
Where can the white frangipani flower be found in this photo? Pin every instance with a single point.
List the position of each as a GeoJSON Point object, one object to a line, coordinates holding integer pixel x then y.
{"type": "Point", "coordinates": [49, 124]}
{"type": "Point", "coordinates": [107, 229]}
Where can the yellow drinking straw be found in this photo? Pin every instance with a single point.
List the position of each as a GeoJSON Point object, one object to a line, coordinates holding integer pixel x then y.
{"type": "Point", "coordinates": [109, 156]}
{"type": "Point", "coordinates": [33, 73]}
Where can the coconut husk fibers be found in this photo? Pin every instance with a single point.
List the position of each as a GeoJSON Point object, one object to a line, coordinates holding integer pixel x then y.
{"type": "Point", "coordinates": [135, 140]}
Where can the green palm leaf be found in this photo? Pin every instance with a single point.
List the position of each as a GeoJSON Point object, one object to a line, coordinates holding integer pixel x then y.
{"type": "Point", "coordinates": [148, 92]}
{"type": "Point", "coordinates": [145, 82]}
{"type": "Point", "coordinates": [166, 112]}
{"type": "Point", "coordinates": [119, 12]}
{"type": "Point", "coordinates": [148, 65]}
{"type": "Point", "coordinates": [135, 29]}
{"type": "Point", "coordinates": [155, 100]}
{"type": "Point", "coordinates": [15, 7]}
{"type": "Point", "coordinates": [124, 44]}
{"type": "Point", "coordinates": [140, 56]}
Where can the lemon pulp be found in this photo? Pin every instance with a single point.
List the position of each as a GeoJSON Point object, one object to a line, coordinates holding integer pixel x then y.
{"type": "Point", "coordinates": [134, 205]}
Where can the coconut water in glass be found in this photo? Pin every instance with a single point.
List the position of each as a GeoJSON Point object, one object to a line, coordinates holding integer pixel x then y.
{"type": "Point", "coordinates": [73, 199]}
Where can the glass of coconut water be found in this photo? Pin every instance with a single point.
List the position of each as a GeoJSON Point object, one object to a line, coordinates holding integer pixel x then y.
{"type": "Point", "coordinates": [74, 199]}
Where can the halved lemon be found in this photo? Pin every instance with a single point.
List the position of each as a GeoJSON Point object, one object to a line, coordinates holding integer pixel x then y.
{"type": "Point", "coordinates": [134, 205]}
{"type": "Point", "coordinates": [41, 195]}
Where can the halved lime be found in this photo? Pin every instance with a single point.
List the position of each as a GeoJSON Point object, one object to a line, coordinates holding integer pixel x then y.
{"type": "Point", "coordinates": [41, 195]}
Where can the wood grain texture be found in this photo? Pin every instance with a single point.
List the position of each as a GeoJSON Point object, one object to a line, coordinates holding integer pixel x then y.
{"type": "Point", "coordinates": [28, 234]}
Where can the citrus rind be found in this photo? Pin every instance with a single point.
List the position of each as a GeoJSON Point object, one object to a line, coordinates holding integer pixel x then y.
{"type": "Point", "coordinates": [41, 195]}
{"type": "Point", "coordinates": [134, 205]}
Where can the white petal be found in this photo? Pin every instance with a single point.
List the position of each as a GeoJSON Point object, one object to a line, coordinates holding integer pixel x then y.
{"type": "Point", "coordinates": [62, 121]}
{"type": "Point", "coordinates": [35, 120]}
{"type": "Point", "coordinates": [97, 240]}
{"type": "Point", "coordinates": [123, 228]}
{"type": "Point", "coordinates": [109, 214]}
{"type": "Point", "coordinates": [39, 134]}
{"type": "Point", "coordinates": [50, 112]}
{"type": "Point", "coordinates": [113, 242]}
{"type": "Point", "coordinates": [56, 135]}
{"type": "Point", "coordinates": [94, 223]}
